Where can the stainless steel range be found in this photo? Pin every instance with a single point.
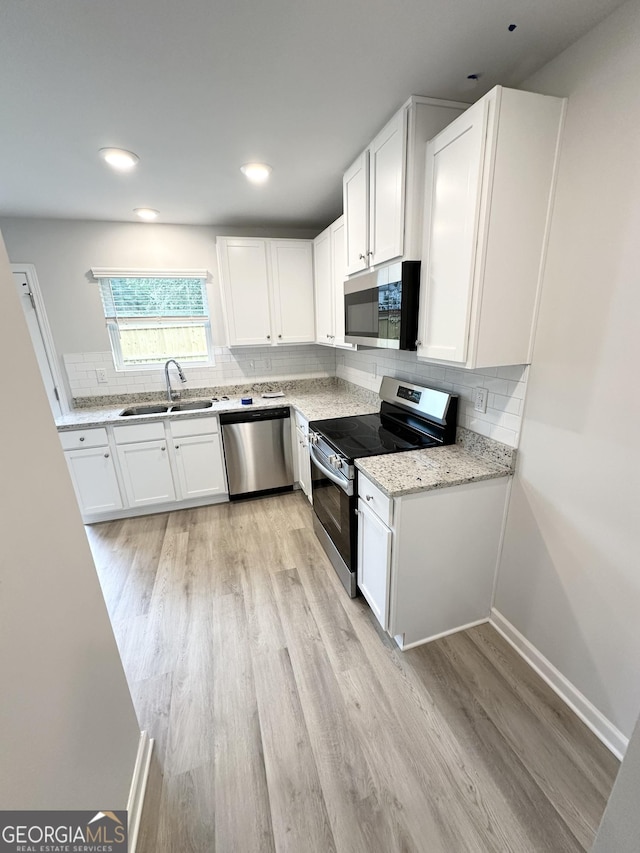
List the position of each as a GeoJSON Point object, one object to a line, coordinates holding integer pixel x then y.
{"type": "Point", "coordinates": [411, 417]}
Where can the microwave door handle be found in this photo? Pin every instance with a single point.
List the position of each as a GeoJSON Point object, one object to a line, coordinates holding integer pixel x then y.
{"type": "Point", "coordinates": [343, 483]}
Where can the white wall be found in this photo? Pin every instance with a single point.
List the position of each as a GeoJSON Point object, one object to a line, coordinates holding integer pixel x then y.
{"type": "Point", "coordinates": [69, 734]}
{"type": "Point", "coordinates": [64, 251]}
{"type": "Point", "coordinates": [569, 578]}
{"type": "Point", "coordinates": [619, 830]}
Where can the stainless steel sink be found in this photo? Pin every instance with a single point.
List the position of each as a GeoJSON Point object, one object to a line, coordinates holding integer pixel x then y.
{"type": "Point", "coordinates": [193, 406]}
{"type": "Point", "coordinates": [144, 410]}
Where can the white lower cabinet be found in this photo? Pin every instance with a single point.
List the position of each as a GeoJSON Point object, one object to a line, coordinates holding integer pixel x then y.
{"type": "Point", "coordinates": [301, 439]}
{"type": "Point", "coordinates": [124, 469]}
{"type": "Point", "coordinates": [427, 561]}
{"type": "Point", "coordinates": [374, 561]}
{"type": "Point", "coordinates": [146, 472]}
{"type": "Point", "coordinates": [94, 479]}
{"type": "Point", "coordinates": [198, 459]}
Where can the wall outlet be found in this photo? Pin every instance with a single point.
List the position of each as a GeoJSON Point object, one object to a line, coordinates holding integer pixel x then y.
{"type": "Point", "coordinates": [480, 400]}
{"type": "Point", "coordinates": [101, 375]}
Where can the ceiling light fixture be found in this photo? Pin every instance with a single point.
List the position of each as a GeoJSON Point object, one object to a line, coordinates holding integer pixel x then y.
{"type": "Point", "coordinates": [146, 213]}
{"type": "Point", "coordinates": [257, 173]}
{"type": "Point", "coordinates": [119, 159]}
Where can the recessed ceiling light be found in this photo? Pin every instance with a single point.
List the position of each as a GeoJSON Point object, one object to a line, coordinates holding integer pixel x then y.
{"type": "Point", "coordinates": [119, 159]}
{"type": "Point", "coordinates": [257, 173]}
{"type": "Point", "coordinates": [146, 213]}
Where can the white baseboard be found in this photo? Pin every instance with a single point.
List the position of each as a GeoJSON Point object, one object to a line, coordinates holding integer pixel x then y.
{"type": "Point", "coordinates": [416, 643]}
{"type": "Point", "coordinates": [138, 788]}
{"type": "Point", "coordinates": [610, 736]}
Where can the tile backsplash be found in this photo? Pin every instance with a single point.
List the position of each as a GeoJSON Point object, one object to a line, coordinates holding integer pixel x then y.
{"type": "Point", "coordinates": [254, 364]}
{"type": "Point", "coordinates": [506, 386]}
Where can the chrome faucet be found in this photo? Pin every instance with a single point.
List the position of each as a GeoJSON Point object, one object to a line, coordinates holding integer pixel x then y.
{"type": "Point", "coordinates": [171, 394]}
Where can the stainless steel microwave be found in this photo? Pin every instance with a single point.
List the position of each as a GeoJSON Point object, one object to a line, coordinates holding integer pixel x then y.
{"type": "Point", "coordinates": [381, 307]}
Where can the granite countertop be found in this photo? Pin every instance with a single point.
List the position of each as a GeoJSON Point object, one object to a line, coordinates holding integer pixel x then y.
{"type": "Point", "coordinates": [472, 458]}
{"type": "Point", "coordinates": [421, 470]}
{"type": "Point", "coordinates": [317, 404]}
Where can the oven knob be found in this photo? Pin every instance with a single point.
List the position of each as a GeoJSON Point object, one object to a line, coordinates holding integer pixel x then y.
{"type": "Point", "coordinates": [337, 462]}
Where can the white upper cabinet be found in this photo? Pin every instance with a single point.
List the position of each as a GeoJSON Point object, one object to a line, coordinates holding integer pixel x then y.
{"type": "Point", "coordinates": [292, 288]}
{"type": "Point", "coordinates": [489, 182]}
{"type": "Point", "coordinates": [322, 273]}
{"type": "Point", "coordinates": [339, 273]}
{"type": "Point", "coordinates": [383, 189]}
{"type": "Point", "coordinates": [245, 286]}
{"type": "Point", "coordinates": [386, 191]}
{"type": "Point", "coordinates": [329, 276]}
{"type": "Point", "coordinates": [355, 191]}
{"type": "Point", "coordinates": [267, 289]}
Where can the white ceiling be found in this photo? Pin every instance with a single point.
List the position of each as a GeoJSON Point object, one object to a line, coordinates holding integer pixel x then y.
{"type": "Point", "coordinates": [197, 88]}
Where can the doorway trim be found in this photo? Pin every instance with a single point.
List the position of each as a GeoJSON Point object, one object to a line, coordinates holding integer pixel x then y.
{"type": "Point", "coordinates": [29, 271]}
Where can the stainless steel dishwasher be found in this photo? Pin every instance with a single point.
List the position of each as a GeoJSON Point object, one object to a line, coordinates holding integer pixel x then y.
{"type": "Point", "coordinates": [257, 450]}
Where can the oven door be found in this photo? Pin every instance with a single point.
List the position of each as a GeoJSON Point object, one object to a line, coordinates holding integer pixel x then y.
{"type": "Point", "coordinates": [335, 522]}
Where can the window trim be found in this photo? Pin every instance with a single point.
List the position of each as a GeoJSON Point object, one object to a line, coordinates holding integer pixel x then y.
{"type": "Point", "coordinates": [204, 275]}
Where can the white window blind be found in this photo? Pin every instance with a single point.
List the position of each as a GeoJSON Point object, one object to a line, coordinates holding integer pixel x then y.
{"type": "Point", "coordinates": [153, 317]}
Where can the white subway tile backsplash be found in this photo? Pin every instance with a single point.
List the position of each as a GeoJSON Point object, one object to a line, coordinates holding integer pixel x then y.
{"type": "Point", "coordinates": [506, 385]}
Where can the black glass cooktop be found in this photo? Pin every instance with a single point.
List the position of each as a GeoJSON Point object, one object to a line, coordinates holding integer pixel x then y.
{"type": "Point", "coordinates": [370, 435]}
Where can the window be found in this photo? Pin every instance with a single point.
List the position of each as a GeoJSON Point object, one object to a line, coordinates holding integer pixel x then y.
{"type": "Point", "coordinates": [153, 316]}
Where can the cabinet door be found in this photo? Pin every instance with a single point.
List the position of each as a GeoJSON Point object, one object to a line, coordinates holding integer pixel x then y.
{"type": "Point", "coordinates": [292, 284]}
{"type": "Point", "coordinates": [374, 561]}
{"type": "Point", "coordinates": [245, 289]}
{"type": "Point", "coordinates": [355, 191]}
{"type": "Point", "coordinates": [200, 466]}
{"type": "Point", "coordinates": [147, 473]}
{"type": "Point", "coordinates": [454, 178]}
{"type": "Point", "coordinates": [324, 293]}
{"type": "Point", "coordinates": [304, 460]}
{"type": "Point", "coordinates": [387, 157]}
{"type": "Point", "coordinates": [94, 480]}
{"type": "Point", "coordinates": [339, 274]}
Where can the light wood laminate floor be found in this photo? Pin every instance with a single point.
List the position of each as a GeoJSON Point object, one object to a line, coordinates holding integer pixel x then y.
{"type": "Point", "coordinates": [286, 721]}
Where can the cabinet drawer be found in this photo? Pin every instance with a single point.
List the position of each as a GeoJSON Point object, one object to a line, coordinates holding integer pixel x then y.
{"type": "Point", "coordinates": [138, 432]}
{"type": "Point", "coordinates": [78, 438]}
{"type": "Point", "coordinates": [301, 422]}
{"type": "Point", "coordinates": [194, 426]}
{"type": "Point", "coordinates": [375, 499]}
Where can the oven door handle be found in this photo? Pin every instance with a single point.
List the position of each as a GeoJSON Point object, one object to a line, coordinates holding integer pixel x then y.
{"type": "Point", "coordinates": [342, 482]}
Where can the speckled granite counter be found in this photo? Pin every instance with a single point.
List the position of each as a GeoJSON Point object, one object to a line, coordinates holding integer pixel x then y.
{"type": "Point", "coordinates": [421, 470]}
{"type": "Point", "coordinates": [472, 458]}
{"type": "Point", "coordinates": [323, 402]}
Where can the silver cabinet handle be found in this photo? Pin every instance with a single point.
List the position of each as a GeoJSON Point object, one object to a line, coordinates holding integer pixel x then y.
{"type": "Point", "coordinates": [163, 448]}
{"type": "Point", "coordinates": [369, 252]}
{"type": "Point", "coordinates": [279, 336]}
{"type": "Point", "coordinates": [268, 337]}
{"type": "Point", "coordinates": [328, 335]}
{"type": "Point", "coordinates": [177, 447]}
{"type": "Point", "coordinates": [81, 438]}
{"type": "Point", "coordinates": [362, 257]}
{"type": "Point", "coordinates": [369, 497]}
{"type": "Point", "coordinates": [106, 455]}
{"type": "Point", "coordinates": [418, 343]}
{"type": "Point", "coordinates": [357, 511]}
